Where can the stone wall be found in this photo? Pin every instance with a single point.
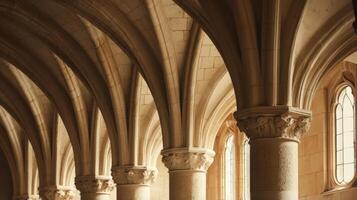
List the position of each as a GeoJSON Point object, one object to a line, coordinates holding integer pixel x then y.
{"type": "Point", "coordinates": [313, 150]}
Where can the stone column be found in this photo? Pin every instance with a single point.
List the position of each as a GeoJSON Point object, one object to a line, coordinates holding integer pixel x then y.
{"type": "Point", "coordinates": [27, 197]}
{"type": "Point", "coordinates": [274, 134]}
{"type": "Point", "coordinates": [95, 187]}
{"type": "Point", "coordinates": [57, 193]}
{"type": "Point", "coordinates": [187, 169]}
{"type": "Point", "coordinates": [133, 183]}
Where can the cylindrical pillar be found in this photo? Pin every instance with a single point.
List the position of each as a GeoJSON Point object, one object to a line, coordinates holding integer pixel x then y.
{"type": "Point", "coordinates": [274, 134]}
{"type": "Point", "coordinates": [95, 187]}
{"type": "Point", "coordinates": [133, 183]}
{"type": "Point", "coordinates": [274, 169]}
{"type": "Point", "coordinates": [133, 192]}
{"type": "Point", "coordinates": [26, 197]}
{"type": "Point", "coordinates": [187, 169]}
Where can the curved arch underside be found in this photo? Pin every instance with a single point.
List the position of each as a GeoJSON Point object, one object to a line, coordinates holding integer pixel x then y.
{"type": "Point", "coordinates": [115, 82]}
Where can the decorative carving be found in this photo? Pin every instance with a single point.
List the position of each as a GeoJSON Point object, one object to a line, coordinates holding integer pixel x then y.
{"type": "Point", "coordinates": [282, 122]}
{"type": "Point", "coordinates": [57, 193]}
{"type": "Point", "coordinates": [94, 184]}
{"type": "Point", "coordinates": [133, 175]}
{"type": "Point", "coordinates": [187, 159]}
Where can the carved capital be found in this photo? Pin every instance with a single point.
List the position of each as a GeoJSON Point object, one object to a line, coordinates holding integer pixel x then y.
{"type": "Point", "coordinates": [274, 122]}
{"type": "Point", "coordinates": [187, 159]}
{"type": "Point", "coordinates": [94, 184]}
{"type": "Point", "coordinates": [124, 175]}
{"type": "Point", "coordinates": [57, 193]}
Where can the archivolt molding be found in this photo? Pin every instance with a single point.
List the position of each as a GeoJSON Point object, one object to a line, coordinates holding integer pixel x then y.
{"type": "Point", "coordinates": [13, 154]}
{"type": "Point", "coordinates": [105, 15]}
{"type": "Point", "coordinates": [114, 76]}
{"type": "Point", "coordinates": [18, 107]}
{"type": "Point", "coordinates": [80, 106]}
{"type": "Point", "coordinates": [211, 105]}
{"type": "Point", "coordinates": [13, 135]}
{"type": "Point", "coordinates": [106, 158]}
{"type": "Point", "coordinates": [167, 51]}
{"type": "Point", "coordinates": [40, 106]}
{"type": "Point", "coordinates": [288, 51]}
{"type": "Point", "coordinates": [78, 60]}
{"type": "Point", "coordinates": [336, 43]}
{"type": "Point", "coordinates": [31, 170]}
{"type": "Point", "coordinates": [153, 147]}
{"type": "Point", "coordinates": [79, 75]}
{"type": "Point", "coordinates": [224, 109]}
{"type": "Point", "coordinates": [48, 83]}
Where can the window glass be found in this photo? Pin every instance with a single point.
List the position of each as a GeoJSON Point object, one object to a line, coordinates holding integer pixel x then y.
{"type": "Point", "coordinates": [246, 170]}
{"type": "Point", "coordinates": [230, 161]}
{"type": "Point", "coordinates": [345, 136]}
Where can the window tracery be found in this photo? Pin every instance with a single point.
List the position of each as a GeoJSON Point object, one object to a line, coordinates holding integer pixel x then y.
{"type": "Point", "coordinates": [345, 136]}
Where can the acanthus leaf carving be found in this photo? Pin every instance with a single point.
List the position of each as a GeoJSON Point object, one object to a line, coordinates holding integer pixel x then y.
{"type": "Point", "coordinates": [133, 175]}
{"type": "Point", "coordinates": [183, 159]}
{"type": "Point", "coordinates": [94, 184]}
{"type": "Point", "coordinates": [283, 123]}
{"type": "Point", "coordinates": [57, 193]}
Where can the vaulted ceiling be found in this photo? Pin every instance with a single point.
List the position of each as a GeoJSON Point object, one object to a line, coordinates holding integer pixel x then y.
{"type": "Point", "coordinates": [89, 84]}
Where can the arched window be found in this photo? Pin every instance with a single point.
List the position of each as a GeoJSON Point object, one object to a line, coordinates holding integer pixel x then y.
{"type": "Point", "coordinates": [246, 170]}
{"type": "Point", "coordinates": [345, 138]}
{"type": "Point", "coordinates": [229, 169]}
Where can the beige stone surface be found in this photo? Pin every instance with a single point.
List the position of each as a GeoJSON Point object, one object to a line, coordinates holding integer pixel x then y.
{"type": "Point", "coordinates": [88, 87]}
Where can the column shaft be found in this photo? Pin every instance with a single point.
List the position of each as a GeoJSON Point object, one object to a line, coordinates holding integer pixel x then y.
{"type": "Point", "coordinates": [95, 196]}
{"type": "Point", "coordinates": [274, 169]}
{"type": "Point", "coordinates": [133, 192]}
{"type": "Point", "coordinates": [274, 134]}
{"type": "Point", "coordinates": [187, 184]}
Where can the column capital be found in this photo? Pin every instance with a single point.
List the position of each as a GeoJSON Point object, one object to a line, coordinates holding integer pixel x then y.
{"type": "Point", "coordinates": [94, 184]}
{"type": "Point", "coordinates": [125, 175]}
{"type": "Point", "coordinates": [57, 193]}
{"type": "Point", "coordinates": [273, 122]}
{"type": "Point", "coordinates": [197, 159]}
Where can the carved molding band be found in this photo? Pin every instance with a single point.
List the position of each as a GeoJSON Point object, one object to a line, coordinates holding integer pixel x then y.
{"type": "Point", "coordinates": [94, 184]}
{"type": "Point", "coordinates": [272, 122]}
{"type": "Point", "coordinates": [57, 193]}
{"type": "Point", "coordinates": [187, 159]}
{"type": "Point", "coordinates": [133, 175]}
